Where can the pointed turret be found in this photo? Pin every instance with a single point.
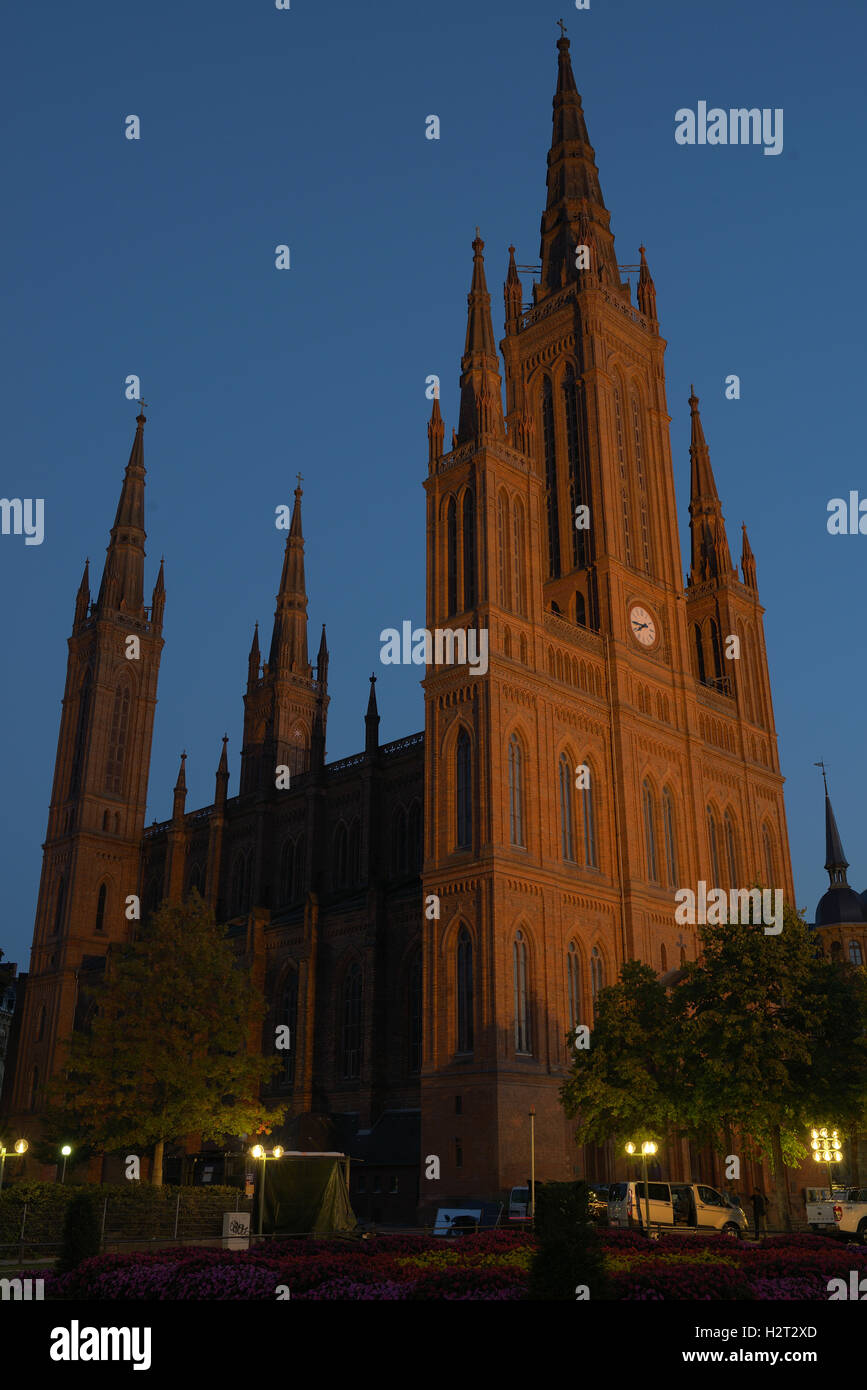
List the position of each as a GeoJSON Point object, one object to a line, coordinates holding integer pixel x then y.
{"type": "Point", "coordinates": [435, 433]}
{"type": "Point", "coordinates": [158, 597]}
{"type": "Point", "coordinates": [840, 904]}
{"type": "Point", "coordinates": [646, 289]}
{"type": "Point", "coordinates": [322, 662]}
{"type": "Point", "coordinates": [711, 558]}
{"type": "Point", "coordinates": [82, 598]}
{"type": "Point", "coordinates": [748, 560]}
{"type": "Point", "coordinates": [180, 792]}
{"type": "Point", "coordinates": [222, 779]}
{"type": "Point", "coordinates": [254, 660]}
{"type": "Point", "coordinates": [122, 587]}
{"type": "Point", "coordinates": [481, 410]}
{"type": "Point", "coordinates": [513, 295]}
{"type": "Point", "coordinates": [575, 213]}
{"type": "Point", "coordinates": [371, 720]}
{"type": "Point", "coordinates": [288, 651]}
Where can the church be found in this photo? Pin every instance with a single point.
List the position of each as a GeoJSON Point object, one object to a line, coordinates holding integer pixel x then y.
{"type": "Point", "coordinates": [432, 916]}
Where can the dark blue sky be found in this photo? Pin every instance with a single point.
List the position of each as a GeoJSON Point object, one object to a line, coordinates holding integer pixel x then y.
{"type": "Point", "coordinates": [306, 127]}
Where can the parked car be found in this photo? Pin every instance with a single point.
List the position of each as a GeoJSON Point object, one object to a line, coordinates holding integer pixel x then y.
{"type": "Point", "coordinates": [687, 1205]}
{"type": "Point", "coordinates": [598, 1200]}
{"type": "Point", "coordinates": [851, 1216]}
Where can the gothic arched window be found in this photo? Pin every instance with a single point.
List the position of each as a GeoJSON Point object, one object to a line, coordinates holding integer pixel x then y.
{"type": "Point", "coordinates": [767, 845]}
{"type": "Point", "coordinates": [668, 830]}
{"type": "Point", "coordinates": [84, 699]}
{"type": "Point", "coordinates": [452, 556]}
{"type": "Point", "coordinates": [34, 1087]}
{"type": "Point", "coordinates": [663, 959]}
{"type": "Point", "coordinates": [354, 855]}
{"type": "Point", "coordinates": [597, 977]}
{"type": "Point", "coordinates": [519, 586]}
{"type": "Point", "coordinates": [573, 985]}
{"type": "Point", "coordinates": [699, 652]}
{"type": "Point", "coordinates": [580, 610]}
{"type": "Point", "coordinates": [100, 907]}
{"type": "Point", "coordinates": [567, 838]}
{"type": "Point", "coordinates": [340, 856]}
{"type": "Point", "coordinates": [59, 906]}
{"type": "Point", "coordinates": [350, 1013]}
{"type": "Point", "coordinates": [716, 649]}
{"type": "Point", "coordinates": [855, 955]}
{"type": "Point", "coordinates": [40, 1025]}
{"type": "Point", "coordinates": [465, 992]}
{"type": "Point", "coordinates": [551, 480]}
{"type": "Point", "coordinates": [516, 791]}
{"type": "Point", "coordinates": [469, 539]}
{"type": "Point", "coordinates": [288, 1015]}
{"type": "Point", "coordinates": [298, 871]}
{"type": "Point", "coordinates": [579, 481]}
{"type": "Point", "coordinates": [464, 787]}
{"type": "Point", "coordinates": [414, 832]}
{"type": "Point", "coordinates": [415, 1013]}
{"type": "Point", "coordinates": [522, 1004]}
{"type": "Point", "coordinates": [589, 813]}
{"type": "Point", "coordinates": [731, 852]}
{"type": "Point", "coordinates": [649, 805]}
{"type": "Point", "coordinates": [287, 867]}
{"type": "Point", "coordinates": [398, 840]}
{"type": "Point", "coordinates": [713, 842]}
{"type": "Point", "coordinates": [503, 549]}
{"type": "Point", "coordinates": [117, 739]}
{"type": "Point", "coordinates": [238, 884]}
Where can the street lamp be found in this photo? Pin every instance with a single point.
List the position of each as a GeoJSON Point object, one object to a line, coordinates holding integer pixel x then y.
{"type": "Point", "coordinates": [66, 1151]}
{"type": "Point", "coordinates": [532, 1209]}
{"type": "Point", "coordinates": [648, 1148]}
{"type": "Point", "coordinates": [827, 1148]}
{"type": "Point", "coordinates": [21, 1146]}
{"type": "Point", "coordinates": [258, 1151]}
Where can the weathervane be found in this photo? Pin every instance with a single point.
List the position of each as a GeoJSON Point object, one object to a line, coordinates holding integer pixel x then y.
{"type": "Point", "coordinates": [821, 764]}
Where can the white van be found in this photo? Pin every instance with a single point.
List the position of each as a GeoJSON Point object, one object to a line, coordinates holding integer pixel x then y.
{"type": "Point", "coordinates": [685, 1205]}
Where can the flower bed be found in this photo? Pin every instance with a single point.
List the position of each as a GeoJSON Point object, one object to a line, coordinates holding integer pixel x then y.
{"type": "Point", "coordinates": [491, 1267]}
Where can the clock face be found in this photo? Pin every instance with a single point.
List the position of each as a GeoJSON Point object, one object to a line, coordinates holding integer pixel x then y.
{"type": "Point", "coordinates": [642, 625]}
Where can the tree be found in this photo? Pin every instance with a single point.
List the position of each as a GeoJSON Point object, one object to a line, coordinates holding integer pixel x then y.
{"type": "Point", "coordinates": [81, 1234]}
{"type": "Point", "coordinates": [167, 1052]}
{"type": "Point", "coordinates": [622, 1084]}
{"type": "Point", "coordinates": [757, 1039]}
{"type": "Point", "coordinates": [569, 1257]}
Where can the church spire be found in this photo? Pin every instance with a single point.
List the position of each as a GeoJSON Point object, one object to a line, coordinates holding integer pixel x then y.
{"type": "Point", "coordinates": [289, 638]}
{"type": "Point", "coordinates": [481, 409]}
{"type": "Point", "coordinates": [158, 597]}
{"type": "Point", "coordinates": [748, 560]}
{"type": "Point", "coordinates": [180, 791]}
{"type": "Point", "coordinates": [371, 720]}
{"type": "Point", "coordinates": [322, 662]}
{"type": "Point", "coordinates": [82, 598]}
{"type": "Point", "coordinates": [575, 213]}
{"type": "Point", "coordinates": [122, 587]}
{"type": "Point", "coordinates": [513, 294]}
{"type": "Point", "coordinates": [646, 289]}
{"type": "Point", "coordinates": [435, 432]}
{"type": "Point", "coordinates": [254, 660]}
{"type": "Point", "coordinates": [711, 558]}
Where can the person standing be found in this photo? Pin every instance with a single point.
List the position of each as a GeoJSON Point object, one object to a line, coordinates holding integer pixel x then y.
{"type": "Point", "coordinates": [760, 1207]}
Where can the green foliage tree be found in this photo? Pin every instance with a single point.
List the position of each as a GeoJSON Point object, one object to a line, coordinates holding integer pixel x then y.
{"type": "Point", "coordinates": [621, 1087]}
{"type": "Point", "coordinates": [167, 1052]}
{"type": "Point", "coordinates": [81, 1235]}
{"type": "Point", "coordinates": [570, 1251]}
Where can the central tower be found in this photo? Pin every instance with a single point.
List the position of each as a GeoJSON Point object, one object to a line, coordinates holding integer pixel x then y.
{"type": "Point", "coordinates": [610, 753]}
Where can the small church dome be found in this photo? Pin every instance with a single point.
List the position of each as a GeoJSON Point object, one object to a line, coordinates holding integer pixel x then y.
{"type": "Point", "coordinates": [840, 904]}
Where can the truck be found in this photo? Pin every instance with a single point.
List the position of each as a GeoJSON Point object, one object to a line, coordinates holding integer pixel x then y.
{"type": "Point", "coordinates": [850, 1214]}
{"type": "Point", "coordinates": [844, 1210]}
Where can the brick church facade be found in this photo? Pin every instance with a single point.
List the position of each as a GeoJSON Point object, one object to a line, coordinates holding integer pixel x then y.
{"type": "Point", "coordinates": [432, 916]}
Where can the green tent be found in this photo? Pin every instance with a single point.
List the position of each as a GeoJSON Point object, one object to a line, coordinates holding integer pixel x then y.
{"type": "Point", "coordinates": [307, 1194]}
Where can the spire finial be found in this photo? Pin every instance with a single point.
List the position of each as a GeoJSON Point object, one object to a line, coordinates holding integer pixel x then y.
{"type": "Point", "coordinates": [821, 764]}
{"type": "Point", "coordinates": [300, 481]}
{"type": "Point", "coordinates": [562, 28]}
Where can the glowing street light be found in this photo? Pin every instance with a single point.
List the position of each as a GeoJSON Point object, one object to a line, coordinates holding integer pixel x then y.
{"type": "Point", "coordinates": [66, 1151]}
{"type": "Point", "coordinates": [21, 1146]}
{"type": "Point", "coordinates": [258, 1151]}
{"type": "Point", "coordinates": [827, 1148]}
{"type": "Point", "coordinates": [648, 1148]}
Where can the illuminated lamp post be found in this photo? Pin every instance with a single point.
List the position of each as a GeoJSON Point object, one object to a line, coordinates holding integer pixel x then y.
{"type": "Point", "coordinates": [648, 1148]}
{"type": "Point", "coordinates": [827, 1148]}
{"type": "Point", "coordinates": [258, 1151]}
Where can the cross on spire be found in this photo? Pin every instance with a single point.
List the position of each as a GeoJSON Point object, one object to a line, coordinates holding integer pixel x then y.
{"type": "Point", "coordinates": [300, 479]}
{"type": "Point", "coordinates": [562, 28]}
{"type": "Point", "coordinates": [821, 764]}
